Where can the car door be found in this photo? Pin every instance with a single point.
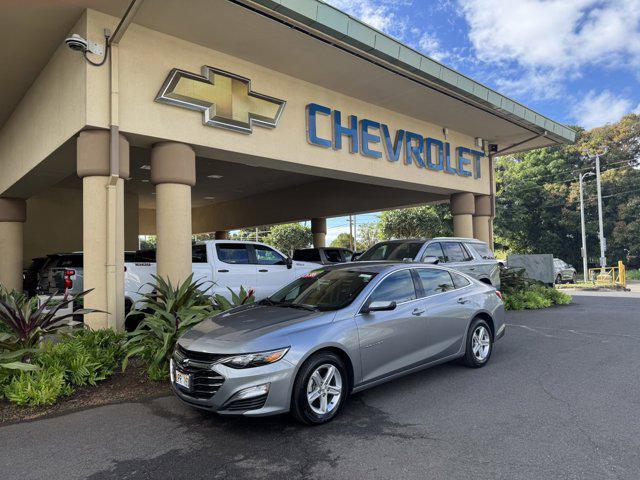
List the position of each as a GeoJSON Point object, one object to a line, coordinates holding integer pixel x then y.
{"type": "Point", "coordinates": [458, 258]}
{"type": "Point", "coordinates": [486, 266]}
{"type": "Point", "coordinates": [392, 340]}
{"type": "Point", "coordinates": [448, 308]}
{"type": "Point", "coordinates": [233, 268]}
{"type": "Point", "coordinates": [272, 270]}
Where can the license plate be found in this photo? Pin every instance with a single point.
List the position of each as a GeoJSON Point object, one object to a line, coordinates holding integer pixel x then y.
{"type": "Point", "coordinates": [183, 379]}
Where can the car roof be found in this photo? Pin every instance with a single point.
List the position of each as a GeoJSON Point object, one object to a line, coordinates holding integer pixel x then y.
{"type": "Point", "coordinates": [379, 266]}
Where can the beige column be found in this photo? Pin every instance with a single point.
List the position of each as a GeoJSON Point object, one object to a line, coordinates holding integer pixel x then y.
{"type": "Point", "coordinates": [173, 172]}
{"type": "Point", "coordinates": [222, 235]}
{"type": "Point", "coordinates": [319, 231]}
{"type": "Point", "coordinates": [482, 218]}
{"type": "Point", "coordinates": [462, 209]}
{"type": "Point", "coordinates": [102, 219]}
{"type": "Point", "coordinates": [13, 213]}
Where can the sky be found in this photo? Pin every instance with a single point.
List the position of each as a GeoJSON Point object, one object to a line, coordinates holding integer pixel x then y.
{"type": "Point", "coordinates": [576, 61]}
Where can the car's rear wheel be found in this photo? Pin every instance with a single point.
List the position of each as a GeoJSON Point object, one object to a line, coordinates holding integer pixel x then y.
{"type": "Point", "coordinates": [320, 389]}
{"type": "Point", "coordinates": [559, 279]}
{"type": "Point", "coordinates": [479, 344]}
{"type": "Point", "coordinates": [574, 278]}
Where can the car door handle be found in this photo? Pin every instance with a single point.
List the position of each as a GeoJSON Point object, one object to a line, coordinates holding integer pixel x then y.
{"type": "Point", "coordinates": [223, 271]}
{"type": "Point", "coordinates": [418, 311]}
{"type": "Point", "coordinates": [462, 301]}
{"type": "Point", "coordinates": [472, 268]}
{"type": "Point", "coordinates": [263, 270]}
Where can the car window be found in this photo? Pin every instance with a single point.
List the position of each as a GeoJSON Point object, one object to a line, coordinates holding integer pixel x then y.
{"type": "Point", "coordinates": [268, 256]}
{"type": "Point", "coordinates": [397, 287]}
{"type": "Point", "coordinates": [454, 252]}
{"type": "Point", "coordinates": [392, 251]}
{"type": "Point", "coordinates": [483, 250]}
{"type": "Point", "coordinates": [458, 280]}
{"type": "Point", "coordinates": [434, 250]}
{"type": "Point", "coordinates": [70, 261]}
{"type": "Point", "coordinates": [199, 254]}
{"type": "Point", "coordinates": [235, 253]}
{"type": "Point", "coordinates": [347, 255]}
{"type": "Point", "coordinates": [145, 256]}
{"type": "Point", "coordinates": [435, 281]}
{"type": "Point", "coordinates": [307, 255]}
{"type": "Point", "coordinates": [333, 255]}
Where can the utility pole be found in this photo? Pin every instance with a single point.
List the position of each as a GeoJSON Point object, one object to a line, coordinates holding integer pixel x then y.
{"type": "Point", "coordinates": [355, 232]}
{"type": "Point", "coordinates": [585, 267]}
{"type": "Point", "coordinates": [351, 232]}
{"type": "Point", "coordinates": [603, 241]}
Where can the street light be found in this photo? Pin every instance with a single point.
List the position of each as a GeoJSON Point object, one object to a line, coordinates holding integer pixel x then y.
{"type": "Point", "coordinates": [603, 242]}
{"type": "Point", "coordinates": [584, 234]}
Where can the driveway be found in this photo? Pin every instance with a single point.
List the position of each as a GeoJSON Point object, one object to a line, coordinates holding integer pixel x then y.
{"type": "Point", "coordinates": [559, 400]}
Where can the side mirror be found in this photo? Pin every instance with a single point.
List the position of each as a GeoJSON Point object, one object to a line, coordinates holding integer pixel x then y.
{"type": "Point", "coordinates": [431, 260]}
{"type": "Point", "coordinates": [380, 306]}
{"type": "Point", "coordinates": [289, 262]}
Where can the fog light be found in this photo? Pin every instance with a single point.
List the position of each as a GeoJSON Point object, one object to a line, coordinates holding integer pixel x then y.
{"type": "Point", "coordinates": [252, 392]}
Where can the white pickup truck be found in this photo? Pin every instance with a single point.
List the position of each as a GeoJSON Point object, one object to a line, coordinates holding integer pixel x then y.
{"type": "Point", "coordinates": [224, 264]}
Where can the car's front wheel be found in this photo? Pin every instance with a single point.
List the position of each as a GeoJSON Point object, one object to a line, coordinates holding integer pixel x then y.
{"type": "Point", "coordinates": [479, 344]}
{"type": "Point", "coordinates": [559, 279]}
{"type": "Point", "coordinates": [320, 389]}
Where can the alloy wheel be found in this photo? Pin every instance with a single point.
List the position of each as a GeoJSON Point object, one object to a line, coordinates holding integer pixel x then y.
{"type": "Point", "coordinates": [480, 343]}
{"type": "Point", "coordinates": [324, 389]}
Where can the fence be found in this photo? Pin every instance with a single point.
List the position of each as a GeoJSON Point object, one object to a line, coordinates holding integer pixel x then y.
{"type": "Point", "coordinates": [609, 276]}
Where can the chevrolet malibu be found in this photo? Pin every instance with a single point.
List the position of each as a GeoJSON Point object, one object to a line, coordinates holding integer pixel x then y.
{"type": "Point", "coordinates": [335, 331]}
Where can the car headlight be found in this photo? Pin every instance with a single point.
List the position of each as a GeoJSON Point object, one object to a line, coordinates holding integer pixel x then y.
{"type": "Point", "coordinates": [254, 359]}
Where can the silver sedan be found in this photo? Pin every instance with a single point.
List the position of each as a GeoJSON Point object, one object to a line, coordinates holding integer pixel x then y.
{"type": "Point", "coordinates": [336, 330]}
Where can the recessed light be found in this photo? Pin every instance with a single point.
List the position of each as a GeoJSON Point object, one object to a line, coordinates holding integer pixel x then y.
{"type": "Point", "coordinates": [145, 167]}
{"type": "Point", "coordinates": [145, 181]}
{"type": "Point", "coordinates": [209, 198]}
{"type": "Point", "coordinates": [214, 176]}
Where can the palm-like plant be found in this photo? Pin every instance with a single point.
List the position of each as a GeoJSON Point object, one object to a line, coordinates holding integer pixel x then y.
{"type": "Point", "coordinates": [24, 321]}
{"type": "Point", "coordinates": [167, 313]}
{"type": "Point", "coordinates": [243, 297]}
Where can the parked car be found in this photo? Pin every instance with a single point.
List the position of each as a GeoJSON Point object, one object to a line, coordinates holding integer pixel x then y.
{"type": "Point", "coordinates": [31, 274]}
{"type": "Point", "coordinates": [323, 255]}
{"type": "Point", "coordinates": [336, 330]}
{"type": "Point", "coordinates": [468, 255]}
{"type": "Point", "coordinates": [564, 273]}
{"type": "Point", "coordinates": [60, 272]}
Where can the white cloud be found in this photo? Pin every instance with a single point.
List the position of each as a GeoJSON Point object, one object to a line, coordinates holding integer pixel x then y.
{"type": "Point", "coordinates": [378, 14]}
{"type": "Point", "coordinates": [430, 45]}
{"type": "Point", "coordinates": [553, 39]}
{"type": "Point", "coordinates": [597, 109]}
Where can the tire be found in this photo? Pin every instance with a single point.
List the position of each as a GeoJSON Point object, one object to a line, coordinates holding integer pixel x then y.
{"type": "Point", "coordinates": [574, 278]}
{"type": "Point", "coordinates": [558, 279]}
{"type": "Point", "coordinates": [311, 412]}
{"type": "Point", "coordinates": [480, 356]}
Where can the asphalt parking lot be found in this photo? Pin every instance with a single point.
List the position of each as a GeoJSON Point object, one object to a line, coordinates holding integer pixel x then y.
{"type": "Point", "coordinates": [559, 400]}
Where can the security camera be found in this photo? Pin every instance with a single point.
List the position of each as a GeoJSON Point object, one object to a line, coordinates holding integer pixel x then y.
{"type": "Point", "coordinates": [77, 43]}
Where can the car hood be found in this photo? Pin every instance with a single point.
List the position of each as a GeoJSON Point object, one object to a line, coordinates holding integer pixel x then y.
{"type": "Point", "coordinates": [250, 329]}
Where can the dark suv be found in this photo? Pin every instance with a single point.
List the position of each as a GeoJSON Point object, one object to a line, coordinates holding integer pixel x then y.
{"type": "Point", "coordinates": [323, 255]}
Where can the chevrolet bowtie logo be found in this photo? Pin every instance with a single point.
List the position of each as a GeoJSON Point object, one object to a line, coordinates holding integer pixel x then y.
{"type": "Point", "coordinates": [225, 99]}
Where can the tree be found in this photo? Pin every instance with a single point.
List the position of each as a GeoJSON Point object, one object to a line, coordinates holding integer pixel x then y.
{"type": "Point", "coordinates": [368, 235]}
{"type": "Point", "coordinates": [538, 202]}
{"type": "Point", "coordinates": [343, 240]}
{"type": "Point", "coordinates": [426, 221]}
{"type": "Point", "coordinates": [289, 237]}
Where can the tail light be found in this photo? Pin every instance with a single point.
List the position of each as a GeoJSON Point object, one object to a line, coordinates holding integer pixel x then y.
{"type": "Point", "coordinates": [68, 283]}
{"type": "Point", "coordinates": [499, 294]}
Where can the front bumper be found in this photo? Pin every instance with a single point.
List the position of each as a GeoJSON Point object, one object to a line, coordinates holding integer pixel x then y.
{"type": "Point", "coordinates": [279, 376]}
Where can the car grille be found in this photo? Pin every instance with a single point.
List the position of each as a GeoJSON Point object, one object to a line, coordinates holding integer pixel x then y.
{"type": "Point", "coordinates": [204, 381]}
{"type": "Point", "coordinates": [199, 356]}
{"type": "Point", "coordinates": [246, 404]}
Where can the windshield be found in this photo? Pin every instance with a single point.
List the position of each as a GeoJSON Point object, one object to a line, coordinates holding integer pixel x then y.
{"type": "Point", "coordinates": [392, 251]}
{"type": "Point", "coordinates": [323, 289]}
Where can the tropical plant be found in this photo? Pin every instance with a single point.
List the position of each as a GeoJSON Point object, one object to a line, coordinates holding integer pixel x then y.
{"type": "Point", "coordinates": [167, 313]}
{"type": "Point", "coordinates": [522, 293]}
{"type": "Point", "coordinates": [243, 297]}
{"type": "Point", "coordinates": [25, 320]}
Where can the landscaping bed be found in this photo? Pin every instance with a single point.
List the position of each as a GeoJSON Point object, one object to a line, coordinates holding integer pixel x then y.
{"type": "Point", "coordinates": [131, 385]}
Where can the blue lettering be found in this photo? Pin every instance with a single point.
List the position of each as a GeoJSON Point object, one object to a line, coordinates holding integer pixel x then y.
{"type": "Point", "coordinates": [412, 151]}
{"type": "Point", "coordinates": [339, 130]}
{"type": "Point", "coordinates": [430, 143]}
{"type": "Point", "coordinates": [447, 160]}
{"type": "Point", "coordinates": [463, 161]}
{"type": "Point", "coordinates": [392, 149]}
{"type": "Point", "coordinates": [366, 138]}
{"type": "Point", "coordinates": [477, 155]}
{"type": "Point", "coordinates": [312, 136]}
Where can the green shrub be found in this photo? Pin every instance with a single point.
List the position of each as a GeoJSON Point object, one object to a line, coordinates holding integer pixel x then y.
{"type": "Point", "coordinates": [633, 274]}
{"type": "Point", "coordinates": [534, 297]}
{"type": "Point", "coordinates": [82, 358]}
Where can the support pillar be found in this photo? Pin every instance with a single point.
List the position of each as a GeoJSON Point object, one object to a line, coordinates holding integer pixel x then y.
{"type": "Point", "coordinates": [13, 214]}
{"type": "Point", "coordinates": [102, 227]}
{"type": "Point", "coordinates": [319, 232]}
{"type": "Point", "coordinates": [222, 235]}
{"type": "Point", "coordinates": [482, 219]}
{"type": "Point", "coordinates": [462, 209]}
{"type": "Point", "coordinates": [173, 172]}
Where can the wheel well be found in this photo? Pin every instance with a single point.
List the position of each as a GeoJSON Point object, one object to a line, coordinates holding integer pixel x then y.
{"type": "Point", "coordinates": [487, 281]}
{"type": "Point", "coordinates": [344, 357]}
{"type": "Point", "coordinates": [487, 318]}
